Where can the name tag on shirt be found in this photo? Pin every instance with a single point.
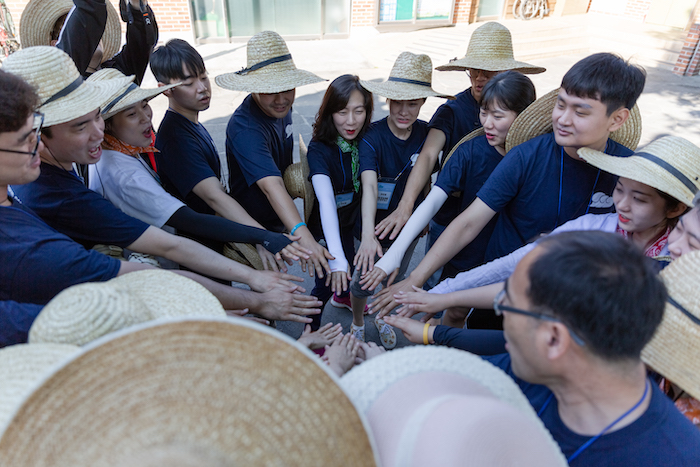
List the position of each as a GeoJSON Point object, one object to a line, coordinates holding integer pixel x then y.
{"type": "Point", "coordinates": [343, 199]}
{"type": "Point", "coordinates": [385, 189]}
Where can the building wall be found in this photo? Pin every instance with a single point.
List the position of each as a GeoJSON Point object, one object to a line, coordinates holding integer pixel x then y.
{"type": "Point", "coordinates": [364, 13]}
{"type": "Point", "coordinates": [686, 64]}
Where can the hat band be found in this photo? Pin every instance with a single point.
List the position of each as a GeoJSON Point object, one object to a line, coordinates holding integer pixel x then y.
{"type": "Point", "coordinates": [65, 91]}
{"type": "Point", "coordinates": [409, 81]}
{"type": "Point", "coordinates": [680, 307]}
{"type": "Point", "coordinates": [115, 101]}
{"type": "Point", "coordinates": [669, 168]}
{"type": "Point", "coordinates": [264, 63]}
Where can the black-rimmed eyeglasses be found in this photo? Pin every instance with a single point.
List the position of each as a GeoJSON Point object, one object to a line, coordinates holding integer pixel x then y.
{"type": "Point", "coordinates": [38, 124]}
{"type": "Point", "coordinates": [499, 308]}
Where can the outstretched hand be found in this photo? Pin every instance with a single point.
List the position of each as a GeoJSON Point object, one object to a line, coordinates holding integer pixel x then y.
{"type": "Point", "coordinates": [419, 301]}
{"type": "Point", "coordinates": [412, 329]}
{"type": "Point", "coordinates": [321, 337]}
{"type": "Point", "coordinates": [340, 356]}
{"type": "Point", "coordinates": [385, 301]}
{"type": "Point", "coordinates": [392, 224]}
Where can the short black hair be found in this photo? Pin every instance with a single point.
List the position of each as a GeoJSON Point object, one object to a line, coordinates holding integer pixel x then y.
{"type": "Point", "coordinates": [608, 78]}
{"type": "Point", "coordinates": [18, 100]}
{"type": "Point", "coordinates": [603, 288]}
{"type": "Point", "coordinates": [336, 99]}
{"type": "Point", "coordinates": [167, 61]}
{"type": "Point", "coordinates": [511, 89]}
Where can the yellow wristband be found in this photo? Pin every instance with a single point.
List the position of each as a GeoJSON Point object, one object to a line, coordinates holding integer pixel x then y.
{"type": "Point", "coordinates": [425, 333]}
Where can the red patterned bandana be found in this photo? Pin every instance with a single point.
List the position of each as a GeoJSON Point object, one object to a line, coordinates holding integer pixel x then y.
{"type": "Point", "coordinates": [113, 144]}
{"type": "Point", "coordinates": [655, 248]}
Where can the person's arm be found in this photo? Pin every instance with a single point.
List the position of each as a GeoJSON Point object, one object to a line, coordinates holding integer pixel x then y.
{"type": "Point", "coordinates": [339, 276]}
{"type": "Point", "coordinates": [456, 236]}
{"type": "Point", "coordinates": [273, 188]}
{"type": "Point", "coordinates": [199, 258]}
{"type": "Point", "coordinates": [369, 245]}
{"type": "Point", "coordinates": [417, 180]}
{"type": "Point", "coordinates": [212, 193]}
{"type": "Point", "coordinates": [82, 31]}
{"type": "Point", "coordinates": [420, 301]}
{"type": "Point", "coordinates": [415, 225]}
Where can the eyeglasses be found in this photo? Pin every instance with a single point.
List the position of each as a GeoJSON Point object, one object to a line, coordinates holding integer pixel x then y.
{"type": "Point", "coordinates": [499, 308]}
{"type": "Point", "coordinates": [38, 124]}
{"type": "Point", "coordinates": [474, 73]}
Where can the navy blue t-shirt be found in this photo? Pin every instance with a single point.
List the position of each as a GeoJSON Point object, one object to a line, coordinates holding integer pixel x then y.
{"type": "Point", "coordinates": [391, 157]}
{"type": "Point", "coordinates": [39, 262]}
{"type": "Point", "coordinates": [15, 321]}
{"type": "Point", "coordinates": [187, 156]}
{"type": "Point", "coordinates": [62, 201]}
{"type": "Point", "coordinates": [538, 187]}
{"type": "Point", "coordinates": [456, 119]}
{"type": "Point", "coordinates": [325, 159]}
{"type": "Point", "coordinates": [662, 436]}
{"type": "Point", "coordinates": [466, 171]}
{"type": "Point", "coordinates": [257, 146]}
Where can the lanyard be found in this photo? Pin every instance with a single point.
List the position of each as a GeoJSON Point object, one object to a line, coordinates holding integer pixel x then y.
{"type": "Point", "coordinates": [561, 185]}
{"type": "Point", "coordinates": [408, 162]}
{"type": "Point", "coordinates": [605, 430]}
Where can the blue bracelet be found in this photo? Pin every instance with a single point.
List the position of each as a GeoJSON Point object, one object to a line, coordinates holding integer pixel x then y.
{"type": "Point", "coordinates": [300, 224]}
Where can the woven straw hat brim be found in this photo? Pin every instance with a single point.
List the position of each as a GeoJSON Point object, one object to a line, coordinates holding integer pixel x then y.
{"type": "Point", "coordinates": [228, 385]}
{"type": "Point", "coordinates": [401, 91]}
{"type": "Point", "coordinates": [478, 132]}
{"type": "Point", "coordinates": [678, 152]}
{"type": "Point", "coordinates": [536, 120]}
{"type": "Point", "coordinates": [491, 64]}
{"type": "Point", "coordinates": [674, 351]}
{"type": "Point", "coordinates": [84, 312]}
{"type": "Point", "coordinates": [243, 253]}
{"type": "Point", "coordinates": [166, 294]}
{"type": "Point", "coordinates": [296, 180]}
{"type": "Point", "coordinates": [267, 83]}
{"type": "Point", "coordinates": [39, 17]}
{"type": "Point", "coordinates": [21, 366]}
{"type": "Point", "coordinates": [136, 96]}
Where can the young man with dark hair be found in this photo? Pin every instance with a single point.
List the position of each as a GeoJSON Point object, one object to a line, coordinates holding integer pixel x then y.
{"type": "Point", "coordinates": [543, 183]}
{"type": "Point", "coordinates": [578, 310]}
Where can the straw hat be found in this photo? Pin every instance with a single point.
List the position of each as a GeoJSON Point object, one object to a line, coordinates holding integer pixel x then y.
{"type": "Point", "coordinates": [40, 16]}
{"type": "Point", "coordinates": [491, 49]}
{"type": "Point", "coordinates": [64, 95]}
{"type": "Point", "coordinates": [243, 253]}
{"type": "Point", "coordinates": [166, 294]}
{"type": "Point", "coordinates": [536, 120]}
{"type": "Point", "coordinates": [129, 95]}
{"type": "Point", "coordinates": [21, 366]}
{"type": "Point", "coordinates": [670, 164]}
{"type": "Point", "coordinates": [478, 132]}
{"type": "Point", "coordinates": [84, 312]}
{"type": "Point", "coordinates": [229, 387]}
{"type": "Point", "coordinates": [270, 68]}
{"type": "Point", "coordinates": [415, 393]}
{"type": "Point", "coordinates": [296, 180]}
{"type": "Point", "coordinates": [411, 78]}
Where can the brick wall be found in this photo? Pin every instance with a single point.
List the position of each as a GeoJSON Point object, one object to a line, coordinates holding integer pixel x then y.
{"type": "Point", "coordinates": [686, 64]}
{"type": "Point", "coordinates": [637, 9]}
{"type": "Point", "coordinates": [632, 9]}
{"type": "Point", "coordinates": [364, 13]}
{"type": "Point", "coordinates": [463, 10]}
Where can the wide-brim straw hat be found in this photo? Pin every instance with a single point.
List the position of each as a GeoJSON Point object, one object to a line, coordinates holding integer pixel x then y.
{"type": "Point", "coordinates": [40, 16]}
{"type": "Point", "coordinates": [400, 391]}
{"type": "Point", "coordinates": [229, 387]}
{"type": "Point", "coordinates": [536, 120]}
{"type": "Point", "coordinates": [491, 49]}
{"type": "Point", "coordinates": [410, 78]}
{"type": "Point", "coordinates": [21, 366]}
{"type": "Point", "coordinates": [270, 68]}
{"type": "Point", "coordinates": [296, 180]}
{"type": "Point", "coordinates": [129, 95]}
{"type": "Point", "coordinates": [63, 95]}
{"type": "Point", "coordinates": [670, 164]}
{"type": "Point", "coordinates": [674, 351]}
{"type": "Point", "coordinates": [478, 132]}
{"type": "Point", "coordinates": [243, 253]}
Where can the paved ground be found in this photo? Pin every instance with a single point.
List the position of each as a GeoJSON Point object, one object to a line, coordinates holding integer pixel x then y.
{"type": "Point", "coordinates": [669, 104]}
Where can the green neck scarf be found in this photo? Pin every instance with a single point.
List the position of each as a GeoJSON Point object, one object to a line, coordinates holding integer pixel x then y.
{"type": "Point", "coordinates": [351, 148]}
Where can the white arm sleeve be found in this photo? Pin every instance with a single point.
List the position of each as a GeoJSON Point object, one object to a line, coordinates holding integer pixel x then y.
{"type": "Point", "coordinates": [415, 225]}
{"type": "Point", "coordinates": [329, 221]}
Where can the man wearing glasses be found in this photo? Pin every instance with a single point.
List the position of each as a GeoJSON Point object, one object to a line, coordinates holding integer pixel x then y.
{"type": "Point", "coordinates": [577, 311]}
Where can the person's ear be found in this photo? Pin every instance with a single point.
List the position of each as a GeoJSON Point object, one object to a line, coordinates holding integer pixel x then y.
{"type": "Point", "coordinates": [678, 210]}
{"type": "Point", "coordinates": [53, 42]}
{"type": "Point", "coordinates": [557, 339]}
{"type": "Point", "coordinates": [618, 118]}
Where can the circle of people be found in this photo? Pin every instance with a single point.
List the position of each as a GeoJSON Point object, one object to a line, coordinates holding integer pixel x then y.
{"type": "Point", "coordinates": [556, 251]}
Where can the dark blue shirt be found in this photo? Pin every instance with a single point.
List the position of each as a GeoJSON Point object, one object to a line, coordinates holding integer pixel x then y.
{"type": "Point", "coordinates": [187, 156]}
{"type": "Point", "coordinates": [662, 436]}
{"type": "Point", "coordinates": [391, 157]}
{"type": "Point", "coordinates": [538, 187]}
{"type": "Point", "coordinates": [39, 262]}
{"type": "Point", "coordinates": [325, 159]}
{"type": "Point", "coordinates": [257, 146]}
{"type": "Point", "coordinates": [456, 119]}
{"type": "Point", "coordinates": [466, 171]}
{"type": "Point", "coordinates": [15, 321]}
{"type": "Point", "coordinates": [59, 197]}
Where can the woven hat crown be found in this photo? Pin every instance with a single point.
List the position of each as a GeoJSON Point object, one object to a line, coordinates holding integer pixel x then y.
{"type": "Point", "coordinates": [265, 46]}
{"type": "Point", "coordinates": [680, 154]}
{"type": "Point", "coordinates": [491, 41]}
{"type": "Point", "coordinates": [414, 67]}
